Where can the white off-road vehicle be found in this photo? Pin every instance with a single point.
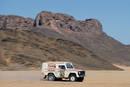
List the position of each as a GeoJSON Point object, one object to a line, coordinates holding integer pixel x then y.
{"type": "Point", "coordinates": [61, 70]}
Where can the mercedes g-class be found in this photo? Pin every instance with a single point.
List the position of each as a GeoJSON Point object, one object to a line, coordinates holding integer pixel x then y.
{"type": "Point", "coordinates": [61, 70]}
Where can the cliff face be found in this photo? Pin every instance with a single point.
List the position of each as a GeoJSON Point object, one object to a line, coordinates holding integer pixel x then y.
{"type": "Point", "coordinates": [66, 22]}
{"type": "Point", "coordinates": [15, 22]}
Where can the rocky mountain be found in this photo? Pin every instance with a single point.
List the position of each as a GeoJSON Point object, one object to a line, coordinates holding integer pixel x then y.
{"type": "Point", "coordinates": [27, 49]}
{"type": "Point", "coordinates": [88, 33]}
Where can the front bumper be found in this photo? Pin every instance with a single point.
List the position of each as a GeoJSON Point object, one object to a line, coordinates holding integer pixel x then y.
{"type": "Point", "coordinates": [81, 73]}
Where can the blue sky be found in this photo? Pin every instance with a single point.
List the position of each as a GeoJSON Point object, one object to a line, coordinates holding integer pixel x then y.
{"type": "Point", "coordinates": [113, 14]}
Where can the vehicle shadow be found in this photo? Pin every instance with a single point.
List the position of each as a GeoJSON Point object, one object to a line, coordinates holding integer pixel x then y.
{"type": "Point", "coordinates": [66, 80]}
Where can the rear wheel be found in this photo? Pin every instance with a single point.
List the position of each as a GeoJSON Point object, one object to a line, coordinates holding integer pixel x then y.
{"type": "Point", "coordinates": [51, 77]}
{"type": "Point", "coordinates": [72, 78]}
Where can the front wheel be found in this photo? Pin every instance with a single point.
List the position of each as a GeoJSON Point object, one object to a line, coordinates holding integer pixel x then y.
{"type": "Point", "coordinates": [51, 77]}
{"type": "Point", "coordinates": [72, 78]}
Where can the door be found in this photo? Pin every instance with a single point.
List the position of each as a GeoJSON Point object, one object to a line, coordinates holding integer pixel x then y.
{"type": "Point", "coordinates": [62, 70]}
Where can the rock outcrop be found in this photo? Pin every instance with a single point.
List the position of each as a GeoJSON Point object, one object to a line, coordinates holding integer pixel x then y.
{"type": "Point", "coordinates": [66, 22]}
{"type": "Point", "coordinates": [15, 22]}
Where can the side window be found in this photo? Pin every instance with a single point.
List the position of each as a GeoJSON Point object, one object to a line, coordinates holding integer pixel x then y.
{"type": "Point", "coordinates": [61, 66]}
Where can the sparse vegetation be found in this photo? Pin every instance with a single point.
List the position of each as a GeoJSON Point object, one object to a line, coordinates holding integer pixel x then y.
{"type": "Point", "coordinates": [30, 49]}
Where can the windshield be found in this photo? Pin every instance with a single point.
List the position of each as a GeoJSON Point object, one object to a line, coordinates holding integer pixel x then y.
{"type": "Point", "coordinates": [69, 66]}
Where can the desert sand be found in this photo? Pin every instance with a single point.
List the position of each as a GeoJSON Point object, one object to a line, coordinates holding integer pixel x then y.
{"type": "Point", "coordinates": [93, 79]}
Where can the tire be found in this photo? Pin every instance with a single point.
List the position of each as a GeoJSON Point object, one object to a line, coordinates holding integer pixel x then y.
{"type": "Point", "coordinates": [72, 78]}
{"type": "Point", "coordinates": [51, 77]}
{"type": "Point", "coordinates": [81, 79]}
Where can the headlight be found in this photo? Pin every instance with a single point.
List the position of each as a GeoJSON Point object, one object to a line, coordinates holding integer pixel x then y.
{"type": "Point", "coordinates": [79, 72]}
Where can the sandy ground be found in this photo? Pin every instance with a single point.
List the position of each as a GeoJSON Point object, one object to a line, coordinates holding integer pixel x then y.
{"type": "Point", "coordinates": [92, 79]}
